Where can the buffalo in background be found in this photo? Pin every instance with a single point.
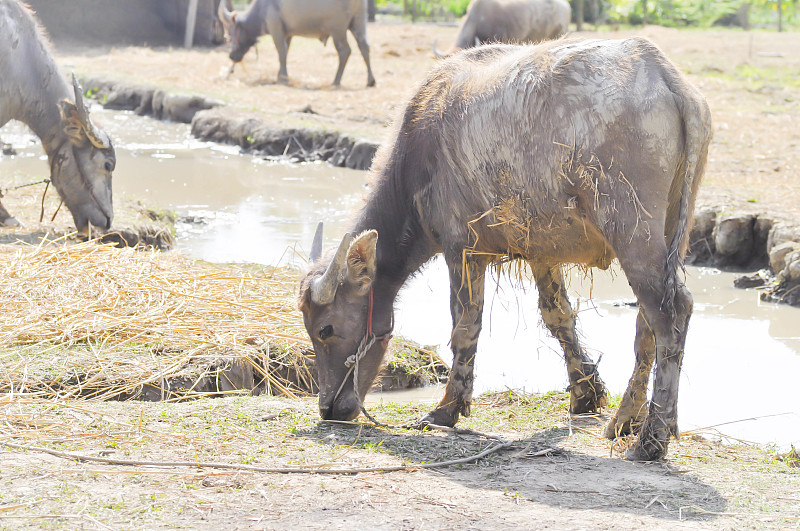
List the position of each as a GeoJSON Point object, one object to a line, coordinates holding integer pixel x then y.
{"type": "Point", "coordinates": [284, 19]}
{"type": "Point", "coordinates": [511, 21]}
{"type": "Point", "coordinates": [34, 92]}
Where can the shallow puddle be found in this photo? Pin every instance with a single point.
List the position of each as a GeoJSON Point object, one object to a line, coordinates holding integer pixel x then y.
{"type": "Point", "coordinates": [742, 356]}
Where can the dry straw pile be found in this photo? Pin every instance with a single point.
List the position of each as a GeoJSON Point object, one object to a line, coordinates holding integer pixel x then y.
{"type": "Point", "coordinates": [96, 321]}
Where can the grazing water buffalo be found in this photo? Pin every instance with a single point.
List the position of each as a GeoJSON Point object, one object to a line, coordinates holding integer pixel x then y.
{"type": "Point", "coordinates": [284, 19]}
{"type": "Point", "coordinates": [568, 152]}
{"type": "Point", "coordinates": [33, 91]}
{"type": "Point", "coordinates": [512, 21]}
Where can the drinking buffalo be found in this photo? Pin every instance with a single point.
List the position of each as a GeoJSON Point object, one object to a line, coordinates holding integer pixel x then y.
{"type": "Point", "coordinates": [512, 21]}
{"type": "Point", "coordinates": [284, 19]}
{"type": "Point", "coordinates": [33, 91]}
{"type": "Point", "coordinates": [569, 152]}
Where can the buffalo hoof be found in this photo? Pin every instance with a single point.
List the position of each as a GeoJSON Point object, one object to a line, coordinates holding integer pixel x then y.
{"type": "Point", "coordinates": [444, 416]}
{"type": "Point", "coordinates": [653, 440]}
{"type": "Point", "coordinates": [588, 396]}
{"type": "Point", "coordinates": [283, 80]}
{"type": "Point", "coordinates": [10, 222]}
{"type": "Point", "coordinates": [371, 82]}
{"type": "Point", "coordinates": [647, 450]}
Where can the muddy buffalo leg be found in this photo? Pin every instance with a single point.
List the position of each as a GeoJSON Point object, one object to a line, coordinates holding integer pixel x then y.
{"type": "Point", "coordinates": [648, 281]}
{"type": "Point", "coordinates": [587, 391]}
{"type": "Point", "coordinates": [633, 408]}
{"type": "Point", "coordinates": [467, 277]}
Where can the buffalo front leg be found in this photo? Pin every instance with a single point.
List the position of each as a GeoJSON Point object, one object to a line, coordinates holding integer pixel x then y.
{"type": "Point", "coordinates": [633, 408]}
{"type": "Point", "coordinates": [587, 392]}
{"type": "Point", "coordinates": [6, 219]}
{"type": "Point", "coordinates": [275, 27]}
{"type": "Point", "coordinates": [466, 308]}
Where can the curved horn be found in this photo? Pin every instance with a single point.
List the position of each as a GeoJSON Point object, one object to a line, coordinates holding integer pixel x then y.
{"type": "Point", "coordinates": [96, 136]}
{"type": "Point", "coordinates": [316, 245]}
{"type": "Point", "coordinates": [436, 51]}
{"type": "Point", "coordinates": [225, 16]}
{"type": "Point", "coordinates": [323, 289]}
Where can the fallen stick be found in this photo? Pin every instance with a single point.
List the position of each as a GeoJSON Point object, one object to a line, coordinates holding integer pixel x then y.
{"type": "Point", "coordinates": [270, 470]}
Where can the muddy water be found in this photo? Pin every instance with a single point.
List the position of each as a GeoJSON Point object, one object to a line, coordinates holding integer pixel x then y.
{"type": "Point", "coordinates": [742, 356]}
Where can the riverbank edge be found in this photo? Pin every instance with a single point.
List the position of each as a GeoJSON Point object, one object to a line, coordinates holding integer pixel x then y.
{"type": "Point", "coordinates": [213, 120]}
{"type": "Point", "coordinates": [738, 241]}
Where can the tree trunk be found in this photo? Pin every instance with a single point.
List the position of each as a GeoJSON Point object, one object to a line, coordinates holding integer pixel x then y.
{"type": "Point", "coordinates": [744, 15]}
{"type": "Point", "coordinates": [644, 12]}
{"type": "Point", "coordinates": [579, 14]}
{"type": "Point", "coordinates": [191, 20]}
{"type": "Point", "coordinates": [780, 15]}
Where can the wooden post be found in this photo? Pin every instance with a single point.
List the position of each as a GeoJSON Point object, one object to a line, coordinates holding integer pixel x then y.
{"type": "Point", "coordinates": [191, 19]}
{"type": "Point", "coordinates": [579, 15]}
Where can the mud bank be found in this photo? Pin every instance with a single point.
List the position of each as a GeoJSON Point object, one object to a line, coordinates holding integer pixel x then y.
{"type": "Point", "coordinates": [748, 242]}
{"type": "Point", "coordinates": [214, 121]}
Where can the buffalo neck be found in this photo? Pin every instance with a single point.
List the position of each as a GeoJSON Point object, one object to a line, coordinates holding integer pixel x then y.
{"type": "Point", "coordinates": [40, 87]}
{"type": "Point", "coordinates": [255, 16]}
{"type": "Point", "coordinates": [403, 246]}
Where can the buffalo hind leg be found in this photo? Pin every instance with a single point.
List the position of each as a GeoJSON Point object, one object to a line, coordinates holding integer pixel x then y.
{"type": "Point", "coordinates": [587, 390]}
{"type": "Point", "coordinates": [632, 410]}
{"type": "Point", "coordinates": [669, 332]}
{"type": "Point", "coordinates": [466, 308]}
{"type": "Point", "coordinates": [343, 49]}
{"type": "Point", "coordinates": [359, 30]}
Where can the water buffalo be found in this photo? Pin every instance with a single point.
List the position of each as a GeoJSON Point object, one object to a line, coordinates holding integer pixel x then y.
{"type": "Point", "coordinates": [567, 152]}
{"type": "Point", "coordinates": [33, 91]}
{"type": "Point", "coordinates": [512, 21]}
{"type": "Point", "coordinates": [284, 19]}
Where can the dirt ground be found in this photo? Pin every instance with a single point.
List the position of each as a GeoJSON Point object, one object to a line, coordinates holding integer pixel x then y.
{"type": "Point", "coordinates": [557, 474]}
{"type": "Point", "coordinates": [752, 82]}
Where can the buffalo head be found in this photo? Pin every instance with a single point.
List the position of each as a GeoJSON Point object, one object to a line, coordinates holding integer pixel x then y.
{"type": "Point", "coordinates": [243, 35]}
{"type": "Point", "coordinates": [82, 165]}
{"type": "Point", "coordinates": [340, 303]}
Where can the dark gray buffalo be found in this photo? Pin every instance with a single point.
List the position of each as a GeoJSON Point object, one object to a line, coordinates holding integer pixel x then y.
{"type": "Point", "coordinates": [284, 19]}
{"type": "Point", "coordinates": [512, 21]}
{"type": "Point", "coordinates": [569, 152]}
{"type": "Point", "coordinates": [33, 91]}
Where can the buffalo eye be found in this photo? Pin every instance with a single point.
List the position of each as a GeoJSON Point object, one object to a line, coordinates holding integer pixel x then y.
{"type": "Point", "coordinates": [109, 166]}
{"type": "Point", "coordinates": [326, 332]}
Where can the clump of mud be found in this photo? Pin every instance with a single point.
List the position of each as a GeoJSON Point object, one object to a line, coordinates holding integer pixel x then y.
{"type": "Point", "coordinates": [148, 236]}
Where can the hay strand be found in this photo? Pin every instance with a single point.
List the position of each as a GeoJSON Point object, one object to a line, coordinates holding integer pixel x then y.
{"type": "Point", "coordinates": [90, 320]}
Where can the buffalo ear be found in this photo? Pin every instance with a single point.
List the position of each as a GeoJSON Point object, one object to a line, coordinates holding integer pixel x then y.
{"type": "Point", "coordinates": [71, 123]}
{"type": "Point", "coordinates": [362, 261]}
